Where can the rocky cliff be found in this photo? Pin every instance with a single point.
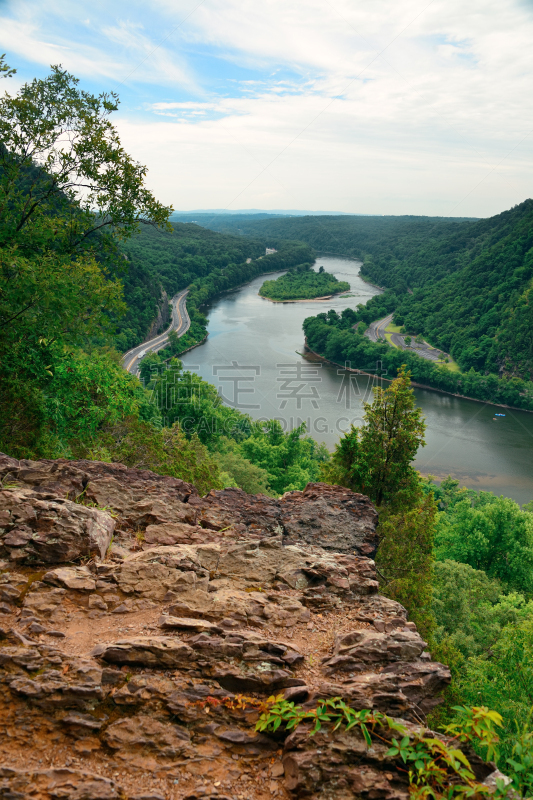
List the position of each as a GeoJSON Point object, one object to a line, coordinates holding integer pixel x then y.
{"type": "Point", "coordinates": [135, 615]}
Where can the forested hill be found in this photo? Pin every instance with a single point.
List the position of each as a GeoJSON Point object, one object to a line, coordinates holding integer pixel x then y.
{"type": "Point", "coordinates": [463, 284]}
{"type": "Point", "coordinates": [482, 311]}
{"type": "Point", "coordinates": [159, 260]}
{"type": "Point", "coordinates": [466, 291]}
{"type": "Point", "coordinates": [353, 236]}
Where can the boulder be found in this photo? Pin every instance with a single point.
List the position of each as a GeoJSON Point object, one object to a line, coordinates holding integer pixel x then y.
{"type": "Point", "coordinates": [50, 530]}
{"type": "Point", "coordinates": [331, 517]}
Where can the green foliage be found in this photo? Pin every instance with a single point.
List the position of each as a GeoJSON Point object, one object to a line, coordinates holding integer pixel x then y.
{"type": "Point", "coordinates": [405, 559]}
{"type": "Point", "coordinates": [5, 70]}
{"type": "Point", "coordinates": [67, 403]}
{"type": "Point", "coordinates": [472, 609]}
{"type": "Point", "coordinates": [493, 535]}
{"type": "Point", "coordinates": [160, 261]}
{"type": "Point", "coordinates": [436, 768]}
{"type": "Point", "coordinates": [68, 192]}
{"type": "Point", "coordinates": [376, 459]}
{"type": "Point", "coordinates": [167, 451]}
{"type": "Point", "coordinates": [333, 337]}
{"type": "Point", "coordinates": [63, 172]}
{"type": "Point", "coordinates": [520, 764]}
{"type": "Point", "coordinates": [484, 614]}
{"type": "Point", "coordinates": [503, 677]}
{"type": "Point", "coordinates": [257, 455]}
{"type": "Point", "coordinates": [248, 476]}
{"type": "Point", "coordinates": [301, 283]}
{"type": "Point", "coordinates": [333, 712]}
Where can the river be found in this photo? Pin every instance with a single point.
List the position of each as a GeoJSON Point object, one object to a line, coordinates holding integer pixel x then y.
{"type": "Point", "coordinates": [253, 356]}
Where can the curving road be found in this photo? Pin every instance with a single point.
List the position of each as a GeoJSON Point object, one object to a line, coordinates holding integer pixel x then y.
{"type": "Point", "coordinates": [180, 323]}
{"type": "Point", "coordinates": [376, 330]}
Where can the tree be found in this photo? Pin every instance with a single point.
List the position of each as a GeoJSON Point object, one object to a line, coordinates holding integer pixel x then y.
{"type": "Point", "coordinates": [138, 444]}
{"type": "Point", "coordinates": [471, 609]}
{"type": "Point", "coordinates": [493, 535]}
{"type": "Point", "coordinates": [504, 680]}
{"type": "Point", "coordinates": [5, 71]}
{"type": "Point", "coordinates": [405, 558]}
{"type": "Point", "coordinates": [376, 459]}
{"type": "Point", "coordinates": [62, 157]}
{"type": "Point", "coordinates": [68, 193]}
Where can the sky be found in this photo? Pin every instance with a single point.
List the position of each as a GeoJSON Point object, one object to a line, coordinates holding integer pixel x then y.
{"type": "Point", "coordinates": [382, 107]}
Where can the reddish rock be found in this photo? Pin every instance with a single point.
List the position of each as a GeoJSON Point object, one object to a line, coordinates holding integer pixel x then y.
{"type": "Point", "coordinates": [256, 596]}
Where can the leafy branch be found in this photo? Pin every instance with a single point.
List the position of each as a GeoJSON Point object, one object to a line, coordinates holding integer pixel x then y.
{"type": "Point", "coordinates": [436, 768]}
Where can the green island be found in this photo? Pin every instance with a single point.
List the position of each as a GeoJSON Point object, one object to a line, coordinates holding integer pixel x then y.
{"type": "Point", "coordinates": [303, 283]}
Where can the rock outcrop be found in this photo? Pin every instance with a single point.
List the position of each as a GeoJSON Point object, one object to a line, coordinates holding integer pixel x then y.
{"type": "Point", "coordinates": [141, 627]}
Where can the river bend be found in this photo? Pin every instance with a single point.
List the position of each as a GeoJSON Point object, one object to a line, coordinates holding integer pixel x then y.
{"type": "Point", "coordinates": [252, 357]}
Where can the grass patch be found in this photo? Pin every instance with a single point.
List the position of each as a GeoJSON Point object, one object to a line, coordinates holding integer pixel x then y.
{"type": "Point", "coordinates": [452, 365]}
{"type": "Point", "coordinates": [391, 328]}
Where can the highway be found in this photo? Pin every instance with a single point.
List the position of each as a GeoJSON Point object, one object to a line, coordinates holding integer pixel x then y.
{"type": "Point", "coordinates": [180, 323]}
{"type": "Point", "coordinates": [376, 331]}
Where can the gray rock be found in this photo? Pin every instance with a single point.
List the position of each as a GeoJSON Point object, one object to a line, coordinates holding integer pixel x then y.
{"type": "Point", "coordinates": [331, 517]}
{"type": "Point", "coordinates": [44, 530]}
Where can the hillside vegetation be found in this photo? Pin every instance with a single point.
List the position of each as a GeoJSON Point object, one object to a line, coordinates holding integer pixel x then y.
{"type": "Point", "coordinates": [65, 289]}
{"type": "Point", "coordinates": [168, 261]}
{"type": "Point", "coordinates": [303, 283]}
{"type": "Point", "coordinates": [463, 284]}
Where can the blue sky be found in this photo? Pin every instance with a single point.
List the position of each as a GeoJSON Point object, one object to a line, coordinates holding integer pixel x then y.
{"type": "Point", "coordinates": [389, 107]}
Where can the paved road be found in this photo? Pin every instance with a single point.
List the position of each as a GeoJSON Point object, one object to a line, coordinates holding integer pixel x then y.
{"type": "Point", "coordinates": [376, 330]}
{"type": "Point", "coordinates": [180, 323]}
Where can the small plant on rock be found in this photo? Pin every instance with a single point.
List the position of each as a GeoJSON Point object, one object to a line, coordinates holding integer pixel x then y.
{"type": "Point", "coordinates": [436, 768]}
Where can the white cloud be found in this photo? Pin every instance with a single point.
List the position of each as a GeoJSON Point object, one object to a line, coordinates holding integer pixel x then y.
{"type": "Point", "coordinates": [117, 52]}
{"type": "Point", "coordinates": [394, 106]}
{"type": "Point", "coordinates": [24, 39]}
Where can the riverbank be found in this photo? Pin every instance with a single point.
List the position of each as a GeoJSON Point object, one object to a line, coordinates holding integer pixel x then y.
{"type": "Point", "coordinates": [306, 299]}
{"type": "Point", "coordinates": [182, 352]}
{"type": "Point", "coordinates": [413, 383]}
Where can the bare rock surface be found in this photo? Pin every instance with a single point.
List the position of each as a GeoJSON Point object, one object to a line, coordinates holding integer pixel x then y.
{"type": "Point", "coordinates": [137, 668]}
{"type": "Point", "coordinates": [165, 510]}
{"type": "Point", "coordinates": [331, 517]}
{"type": "Point", "coordinates": [38, 528]}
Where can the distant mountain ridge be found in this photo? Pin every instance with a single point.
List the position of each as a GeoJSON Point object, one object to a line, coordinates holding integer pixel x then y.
{"type": "Point", "coordinates": [263, 212]}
